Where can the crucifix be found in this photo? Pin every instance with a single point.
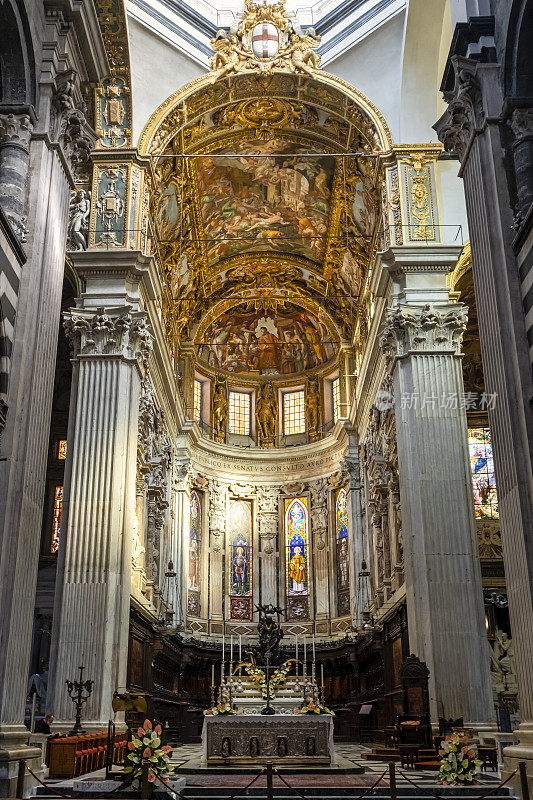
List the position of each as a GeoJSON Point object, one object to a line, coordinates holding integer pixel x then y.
{"type": "Point", "coordinates": [270, 634]}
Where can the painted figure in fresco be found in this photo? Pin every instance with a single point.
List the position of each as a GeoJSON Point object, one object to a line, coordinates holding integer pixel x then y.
{"type": "Point", "coordinates": [239, 571]}
{"type": "Point", "coordinates": [268, 350]}
{"type": "Point", "coordinates": [297, 570]}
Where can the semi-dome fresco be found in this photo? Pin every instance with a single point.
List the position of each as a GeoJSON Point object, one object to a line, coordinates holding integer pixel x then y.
{"type": "Point", "coordinates": [284, 341]}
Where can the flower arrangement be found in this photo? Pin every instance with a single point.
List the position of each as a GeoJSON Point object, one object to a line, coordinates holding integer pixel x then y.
{"type": "Point", "coordinates": [220, 709]}
{"type": "Point", "coordinates": [314, 708]}
{"type": "Point", "coordinates": [459, 765]}
{"type": "Point", "coordinates": [277, 678]}
{"type": "Point", "coordinates": [145, 748]}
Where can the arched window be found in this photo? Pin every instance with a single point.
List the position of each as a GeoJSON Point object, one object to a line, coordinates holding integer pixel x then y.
{"type": "Point", "coordinates": [297, 557]}
{"type": "Point", "coordinates": [240, 573]}
{"type": "Point", "coordinates": [342, 553]}
{"type": "Point", "coordinates": [195, 546]}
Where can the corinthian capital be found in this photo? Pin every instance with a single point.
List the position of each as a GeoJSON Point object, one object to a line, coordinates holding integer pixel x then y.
{"type": "Point", "coordinates": [109, 332]}
{"type": "Point", "coordinates": [15, 130]}
{"type": "Point", "coordinates": [427, 329]}
{"type": "Point", "coordinates": [521, 123]}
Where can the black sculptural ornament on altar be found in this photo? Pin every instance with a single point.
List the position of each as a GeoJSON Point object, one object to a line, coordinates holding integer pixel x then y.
{"type": "Point", "coordinates": [270, 634]}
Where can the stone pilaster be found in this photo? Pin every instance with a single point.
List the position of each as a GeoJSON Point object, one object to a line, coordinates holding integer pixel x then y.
{"type": "Point", "coordinates": [319, 526]}
{"type": "Point", "coordinates": [442, 573]}
{"type": "Point", "coordinates": [217, 538]}
{"type": "Point", "coordinates": [472, 128]}
{"type": "Point", "coordinates": [178, 536]}
{"type": "Point", "coordinates": [268, 502]}
{"type": "Point", "coordinates": [93, 592]}
{"type": "Point", "coordinates": [358, 545]}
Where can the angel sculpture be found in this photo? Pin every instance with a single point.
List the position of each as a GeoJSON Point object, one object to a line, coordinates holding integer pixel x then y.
{"type": "Point", "coordinates": [301, 52]}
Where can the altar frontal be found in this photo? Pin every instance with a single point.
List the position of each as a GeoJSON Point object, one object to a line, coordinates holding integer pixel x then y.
{"type": "Point", "coordinates": [280, 738]}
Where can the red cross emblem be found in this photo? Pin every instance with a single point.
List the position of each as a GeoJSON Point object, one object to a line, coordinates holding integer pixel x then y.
{"type": "Point", "coordinates": [265, 40]}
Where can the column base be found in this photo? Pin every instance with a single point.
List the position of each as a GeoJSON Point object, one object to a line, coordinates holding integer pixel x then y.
{"type": "Point", "coordinates": [13, 750]}
{"type": "Point", "coordinates": [523, 751]}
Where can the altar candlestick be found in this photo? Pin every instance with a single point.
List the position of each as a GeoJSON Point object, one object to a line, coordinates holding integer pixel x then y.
{"type": "Point", "coordinates": [240, 647]}
{"type": "Point", "coordinates": [314, 654]}
{"type": "Point", "coordinates": [296, 637]}
{"type": "Point", "coordinates": [231, 648]}
{"type": "Point", "coordinates": [322, 677]}
{"type": "Point", "coordinates": [223, 648]}
{"type": "Point", "coordinates": [212, 674]}
{"type": "Point", "coordinates": [305, 657]}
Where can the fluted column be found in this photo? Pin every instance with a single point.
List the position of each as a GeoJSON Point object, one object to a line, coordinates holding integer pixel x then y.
{"type": "Point", "coordinates": [319, 526]}
{"type": "Point", "coordinates": [15, 132]}
{"type": "Point", "coordinates": [179, 537]}
{"type": "Point", "coordinates": [442, 572]}
{"type": "Point", "coordinates": [358, 545]}
{"type": "Point", "coordinates": [268, 500]}
{"type": "Point", "coordinates": [91, 614]}
{"type": "Point", "coordinates": [473, 128]}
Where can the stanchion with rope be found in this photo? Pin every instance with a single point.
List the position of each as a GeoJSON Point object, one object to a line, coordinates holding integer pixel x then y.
{"type": "Point", "coordinates": [392, 780]}
{"type": "Point", "coordinates": [524, 785]}
{"type": "Point", "coordinates": [442, 796]}
{"type": "Point", "coordinates": [20, 778]}
{"type": "Point", "coordinates": [354, 797]}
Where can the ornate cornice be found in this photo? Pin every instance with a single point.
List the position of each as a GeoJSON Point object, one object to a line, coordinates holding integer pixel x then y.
{"type": "Point", "coordinates": [108, 333]}
{"type": "Point", "coordinates": [425, 329]}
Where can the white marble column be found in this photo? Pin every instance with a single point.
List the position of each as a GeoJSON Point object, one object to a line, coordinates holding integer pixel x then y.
{"type": "Point", "coordinates": [91, 615]}
{"type": "Point", "coordinates": [422, 342]}
{"type": "Point", "coordinates": [268, 502]}
{"type": "Point", "coordinates": [358, 545]}
{"type": "Point", "coordinates": [179, 537]}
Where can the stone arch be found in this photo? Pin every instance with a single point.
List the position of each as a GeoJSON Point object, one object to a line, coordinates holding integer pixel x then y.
{"type": "Point", "coordinates": [518, 69]}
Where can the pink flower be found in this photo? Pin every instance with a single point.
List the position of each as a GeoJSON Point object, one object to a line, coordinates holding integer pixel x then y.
{"type": "Point", "coordinates": [140, 732]}
{"type": "Point", "coordinates": [151, 777]}
{"type": "Point", "coordinates": [158, 730]}
{"type": "Point", "coordinates": [147, 723]}
{"type": "Point", "coordinates": [147, 753]}
{"type": "Point", "coordinates": [131, 746]}
{"type": "Point", "coordinates": [166, 749]}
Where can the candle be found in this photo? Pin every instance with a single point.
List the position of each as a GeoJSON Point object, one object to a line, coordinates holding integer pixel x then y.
{"type": "Point", "coordinates": [314, 654]}
{"type": "Point", "coordinates": [305, 649]}
{"type": "Point", "coordinates": [322, 675]}
{"type": "Point", "coordinates": [231, 648]}
{"type": "Point", "coordinates": [212, 674]}
{"type": "Point", "coordinates": [223, 647]}
{"type": "Point", "coordinates": [296, 654]}
{"type": "Point", "coordinates": [240, 647]}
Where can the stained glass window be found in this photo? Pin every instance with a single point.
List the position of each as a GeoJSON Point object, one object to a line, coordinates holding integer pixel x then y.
{"type": "Point", "coordinates": [336, 390]}
{"type": "Point", "coordinates": [239, 562]}
{"type": "Point", "coordinates": [195, 542]}
{"type": "Point", "coordinates": [197, 403]}
{"type": "Point", "coordinates": [293, 413]}
{"type": "Point", "coordinates": [62, 449]}
{"type": "Point", "coordinates": [341, 545]}
{"type": "Point", "coordinates": [239, 413]}
{"type": "Point", "coordinates": [297, 557]}
{"type": "Point", "coordinates": [482, 467]}
{"type": "Point", "coordinates": [56, 518]}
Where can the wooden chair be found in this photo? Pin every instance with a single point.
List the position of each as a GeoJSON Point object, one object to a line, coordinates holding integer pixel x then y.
{"type": "Point", "coordinates": [489, 756]}
{"type": "Point", "coordinates": [408, 756]}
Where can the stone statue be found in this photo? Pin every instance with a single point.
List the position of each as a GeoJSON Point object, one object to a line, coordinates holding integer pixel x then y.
{"type": "Point", "coordinates": [78, 226]}
{"type": "Point", "coordinates": [266, 414]}
{"type": "Point", "coordinates": [220, 413]}
{"type": "Point", "coordinates": [312, 408]}
{"type": "Point", "coordinates": [503, 672]}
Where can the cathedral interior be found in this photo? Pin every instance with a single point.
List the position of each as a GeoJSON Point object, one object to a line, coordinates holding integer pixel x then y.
{"type": "Point", "coordinates": [266, 343]}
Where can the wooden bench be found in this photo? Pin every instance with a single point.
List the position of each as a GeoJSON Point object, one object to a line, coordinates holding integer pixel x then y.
{"type": "Point", "coordinates": [70, 756]}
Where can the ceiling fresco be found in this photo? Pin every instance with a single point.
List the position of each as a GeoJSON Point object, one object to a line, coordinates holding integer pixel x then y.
{"type": "Point", "coordinates": [265, 197]}
{"type": "Point", "coordinates": [283, 341]}
{"type": "Point", "coordinates": [253, 202]}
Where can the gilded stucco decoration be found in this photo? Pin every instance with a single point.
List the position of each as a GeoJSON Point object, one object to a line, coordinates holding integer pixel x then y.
{"type": "Point", "coordinates": [113, 95]}
{"type": "Point", "coordinates": [265, 38]}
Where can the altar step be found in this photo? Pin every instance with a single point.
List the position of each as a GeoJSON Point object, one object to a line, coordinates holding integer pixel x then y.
{"type": "Point", "coordinates": [341, 793]}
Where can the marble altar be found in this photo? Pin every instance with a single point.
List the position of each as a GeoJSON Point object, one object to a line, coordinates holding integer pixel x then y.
{"type": "Point", "coordinates": [302, 739]}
